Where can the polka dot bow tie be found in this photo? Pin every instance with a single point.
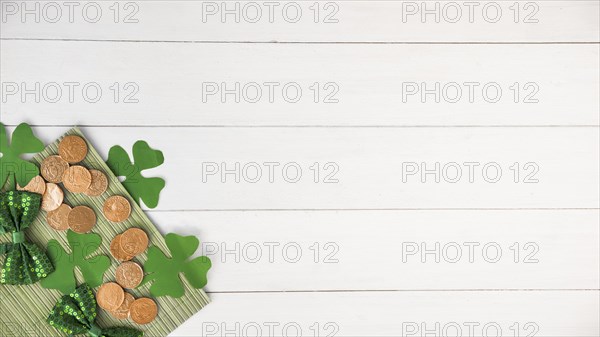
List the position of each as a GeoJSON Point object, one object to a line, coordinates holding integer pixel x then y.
{"type": "Point", "coordinates": [75, 313]}
{"type": "Point", "coordinates": [25, 262]}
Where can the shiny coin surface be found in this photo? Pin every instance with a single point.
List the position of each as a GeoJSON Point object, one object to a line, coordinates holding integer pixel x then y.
{"type": "Point", "coordinates": [36, 185]}
{"type": "Point", "coordinates": [73, 149]}
{"type": "Point", "coordinates": [53, 168]}
{"type": "Point", "coordinates": [143, 310]}
{"type": "Point", "coordinates": [116, 208]}
{"type": "Point", "coordinates": [59, 218]}
{"type": "Point", "coordinates": [134, 241]}
{"type": "Point", "coordinates": [98, 185]}
{"type": "Point", "coordinates": [110, 296]}
{"type": "Point", "coordinates": [77, 179]}
{"type": "Point", "coordinates": [52, 198]}
{"type": "Point", "coordinates": [123, 311]}
{"type": "Point", "coordinates": [129, 275]}
{"type": "Point", "coordinates": [117, 252]}
{"type": "Point", "coordinates": [81, 219]}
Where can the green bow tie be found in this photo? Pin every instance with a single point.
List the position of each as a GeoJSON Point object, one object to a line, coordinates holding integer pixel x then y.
{"type": "Point", "coordinates": [74, 314]}
{"type": "Point", "coordinates": [25, 263]}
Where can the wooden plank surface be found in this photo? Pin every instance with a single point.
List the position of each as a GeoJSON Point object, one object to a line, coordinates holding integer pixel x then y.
{"type": "Point", "coordinates": [307, 21]}
{"type": "Point", "coordinates": [554, 313]}
{"type": "Point", "coordinates": [66, 83]}
{"type": "Point", "coordinates": [420, 250]}
{"type": "Point", "coordinates": [371, 57]}
{"type": "Point", "coordinates": [375, 168]}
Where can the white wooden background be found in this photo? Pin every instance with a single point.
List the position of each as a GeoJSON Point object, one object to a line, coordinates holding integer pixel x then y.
{"type": "Point", "coordinates": [354, 275]}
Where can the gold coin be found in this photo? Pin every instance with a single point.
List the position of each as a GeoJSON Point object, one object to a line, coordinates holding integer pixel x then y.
{"type": "Point", "coordinates": [117, 252]}
{"type": "Point", "coordinates": [59, 218]}
{"type": "Point", "coordinates": [123, 311]}
{"type": "Point", "coordinates": [110, 296]}
{"type": "Point", "coordinates": [143, 310]}
{"type": "Point", "coordinates": [52, 198]}
{"type": "Point", "coordinates": [116, 208]}
{"type": "Point", "coordinates": [98, 185]}
{"type": "Point", "coordinates": [77, 179]}
{"type": "Point", "coordinates": [73, 149]}
{"type": "Point", "coordinates": [81, 219]}
{"type": "Point", "coordinates": [53, 168]}
{"type": "Point", "coordinates": [129, 275]}
{"type": "Point", "coordinates": [36, 185]}
{"type": "Point", "coordinates": [134, 241]}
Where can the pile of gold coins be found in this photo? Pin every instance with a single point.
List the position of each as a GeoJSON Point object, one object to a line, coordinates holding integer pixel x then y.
{"type": "Point", "coordinates": [62, 168]}
{"type": "Point", "coordinates": [129, 275]}
{"type": "Point", "coordinates": [122, 305]}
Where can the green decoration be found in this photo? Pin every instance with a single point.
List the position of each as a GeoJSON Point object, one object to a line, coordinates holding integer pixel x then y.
{"type": "Point", "coordinates": [163, 272]}
{"type": "Point", "coordinates": [23, 141]}
{"type": "Point", "coordinates": [75, 314]}
{"type": "Point", "coordinates": [82, 246]}
{"type": "Point", "coordinates": [25, 263]}
{"type": "Point", "coordinates": [144, 157]}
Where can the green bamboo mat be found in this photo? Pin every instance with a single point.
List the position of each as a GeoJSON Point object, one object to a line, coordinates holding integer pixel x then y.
{"type": "Point", "coordinates": [23, 309]}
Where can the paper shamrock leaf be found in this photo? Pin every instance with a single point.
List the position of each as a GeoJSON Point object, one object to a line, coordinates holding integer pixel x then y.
{"type": "Point", "coordinates": [23, 141]}
{"type": "Point", "coordinates": [163, 272]}
{"type": "Point", "coordinates": [144, 157]}
{"type": "Point", "coordinates": [82, 246]}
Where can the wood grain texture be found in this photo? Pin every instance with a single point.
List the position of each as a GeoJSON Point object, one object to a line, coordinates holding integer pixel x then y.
{"type": "Point", "coordinates": [382, 85]}
{"type": "Point", "coordinates": [369, 53]}
{"type": "Point", "coordinates": [560, 313]}
{"type": "Point", "coordinates": [370, 163]}
{"type": "Point", "coordinates": [329, 251]}
{"type": "Point", "coordinates": [32, 312]}
{"type": "Point", "coordinates": [294, 21]}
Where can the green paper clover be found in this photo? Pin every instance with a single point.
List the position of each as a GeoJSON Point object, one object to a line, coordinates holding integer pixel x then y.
{"type": "Point", "coordinates": [23, 141]}
{"type": "Point", "coordinates": [163, 272]}
{"type": "Point", "coordinates": [82, 246]}
{"type": "Point", "coordinates": [140, 187]}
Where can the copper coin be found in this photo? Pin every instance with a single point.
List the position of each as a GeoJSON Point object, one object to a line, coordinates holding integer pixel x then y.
{"type": "Point", "coordinates": [36, 185]}
{"type": "Point", "coordinates": [116, 208]}
{"type": "Point", "coordinates": [129, 275]}
{"type": "Point", "coordinates": [134, 241]}
{"type": "Point", "coordinates": [110, 296]}
{"type": "Point", "coordinates": [59, 218]}
{"type": "Point", "coordinates": [143, 310]}
{"type": "Point", "coordinates": [123, 311]}
{"type": "Point", "coordinates": [116, 250]}
{"type": "Point", "coordinates": [52, 198]}
{"type": "Point", "coordinates": [73, 149]}
{"type": "Point", "coordinates": [53, 168]}
{"type": "Point", "coordinates": [77, 179]}
{"type": "Point", "coordinates": [98, 185]}
{"type": "Point", "coordinates": [81, 219]}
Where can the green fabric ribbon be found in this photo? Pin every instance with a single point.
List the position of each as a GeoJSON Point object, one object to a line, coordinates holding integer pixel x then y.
{"type": "Point", "coordinates": [18, 237]}
{"type": "Point", "coordinates": [75, 313]}
{"type": "Point", "coordinates": [25, 262]}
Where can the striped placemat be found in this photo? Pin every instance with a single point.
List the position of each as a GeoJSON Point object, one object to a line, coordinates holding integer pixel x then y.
{"type": "Point", "coordinates": [24, 308]}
